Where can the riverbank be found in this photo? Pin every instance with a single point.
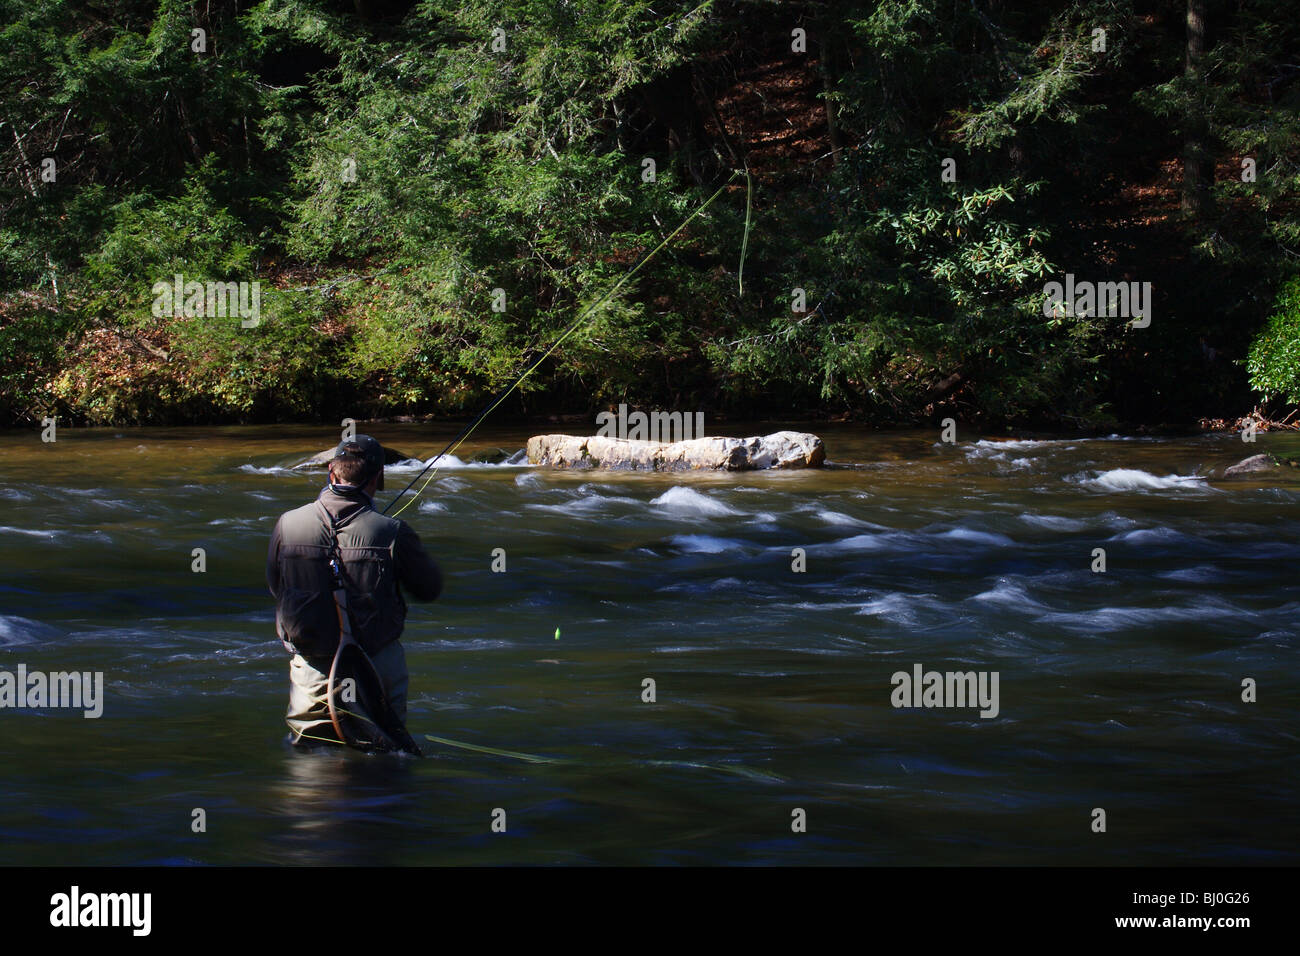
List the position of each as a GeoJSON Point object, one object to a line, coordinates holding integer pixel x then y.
{"type": "Point", "coordinates": [188, 372]}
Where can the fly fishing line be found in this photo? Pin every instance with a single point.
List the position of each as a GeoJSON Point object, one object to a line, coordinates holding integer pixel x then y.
{"type": "Point", "coordinates": [573, 327]}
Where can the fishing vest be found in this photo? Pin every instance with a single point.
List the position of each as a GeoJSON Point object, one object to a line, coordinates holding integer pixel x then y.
{"type": "Point", "coordinates": [305, 615]}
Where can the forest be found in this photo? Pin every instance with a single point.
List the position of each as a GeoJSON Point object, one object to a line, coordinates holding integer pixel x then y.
{"type": "Point", "coordinates": [396, 207]}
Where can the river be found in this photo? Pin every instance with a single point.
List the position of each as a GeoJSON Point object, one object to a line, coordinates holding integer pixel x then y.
{"type": "Point", "coordinates": [1118, 690]}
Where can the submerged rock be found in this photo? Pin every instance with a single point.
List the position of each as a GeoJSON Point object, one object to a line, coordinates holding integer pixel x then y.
{"type": "Point", "coordinates": [778, 450]}
{"type": "Point", "coordinates": [1259, 464]}
{"type": "Point", "coordinates": [391, 457]}
{"type": "Point", "coordinates": [1250, 466]}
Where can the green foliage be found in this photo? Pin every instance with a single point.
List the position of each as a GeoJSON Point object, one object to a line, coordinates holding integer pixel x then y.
{"type": "Point", "coordinates": [1252, 111]}
{"type": "Point", "coordinates": [924, 292]}
{"type": "Point", "coordinates": [472, 170]}
{"type": "Point", "coordinates": [148, 240]}
{"type": "Point", "coordinates": [1043, 82]}
{"type": "Point", "coordinates": [1274, 360]}
{"type": "Point", "coordinates": [383, 173]}
{"type": "Point", "coordinates": [236, 367]}
{"type": "Point", "coordinates": [32, 336]}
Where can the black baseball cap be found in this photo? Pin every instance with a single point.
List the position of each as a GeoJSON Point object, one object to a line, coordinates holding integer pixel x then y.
{"type": "Point", "coordinates": [366, 449]}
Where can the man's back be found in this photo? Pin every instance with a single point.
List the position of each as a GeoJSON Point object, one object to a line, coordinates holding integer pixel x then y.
{"type": "Point", "coordinates": [378, 553]}
{"type": "Point", "coordinates": [377, 557]}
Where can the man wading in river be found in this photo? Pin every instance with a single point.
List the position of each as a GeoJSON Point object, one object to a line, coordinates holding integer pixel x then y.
{"type": "Point", "coordinates": [374, 555]}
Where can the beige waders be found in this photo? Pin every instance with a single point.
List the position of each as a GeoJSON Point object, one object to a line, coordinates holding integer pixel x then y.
{"type": "Point", "coordinates": [309, 715]}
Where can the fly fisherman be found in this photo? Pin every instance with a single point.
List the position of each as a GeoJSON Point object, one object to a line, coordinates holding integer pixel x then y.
{"type": "Point", "coordinates": [376, 554]}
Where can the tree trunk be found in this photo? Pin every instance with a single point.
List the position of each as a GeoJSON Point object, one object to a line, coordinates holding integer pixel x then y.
{"type": "Point", "coordinates": [1198, 166]}
{"type": "Point", "coordinates": [828, 86]}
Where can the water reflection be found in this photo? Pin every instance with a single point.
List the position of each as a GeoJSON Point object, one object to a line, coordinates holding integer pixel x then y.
{"type": "Point", "coordinates": [342, 807]}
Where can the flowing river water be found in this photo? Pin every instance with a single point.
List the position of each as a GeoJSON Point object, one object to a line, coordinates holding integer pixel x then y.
{"type": "Point", "coordinates": [1119, 690]}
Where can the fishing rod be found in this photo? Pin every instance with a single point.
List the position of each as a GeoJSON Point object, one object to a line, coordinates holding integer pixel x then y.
{"type": "Point", "coordinates": [573, 327]}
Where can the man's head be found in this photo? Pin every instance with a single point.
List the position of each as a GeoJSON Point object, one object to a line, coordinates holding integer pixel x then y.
{"type": "Point", "coordinates": [358, 462]}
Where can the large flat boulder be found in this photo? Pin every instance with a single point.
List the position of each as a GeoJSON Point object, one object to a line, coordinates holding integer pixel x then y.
{"type": "Point", "coordinates": [778, 450]}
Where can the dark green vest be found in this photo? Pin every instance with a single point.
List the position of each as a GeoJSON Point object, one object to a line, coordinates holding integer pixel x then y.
{"type": "Point", "coordinates": [305, 616]}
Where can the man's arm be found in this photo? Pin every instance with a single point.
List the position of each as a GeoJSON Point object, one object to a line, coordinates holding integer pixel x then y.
{"type": "Point", "coordinates": [418, 573]}
{"type": "Point", "coordinates": [273, 562]}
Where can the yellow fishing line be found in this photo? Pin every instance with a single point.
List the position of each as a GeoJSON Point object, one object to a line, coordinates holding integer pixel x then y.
{"type": "Point", "coordinates": [744, 243]}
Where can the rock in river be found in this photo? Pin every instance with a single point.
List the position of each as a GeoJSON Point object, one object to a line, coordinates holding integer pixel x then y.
{"type": "Point", "coordinates": [778, 450]}
{"type": "Point", "coordinates": [1250, 466]}
{"type": "Point", "coordinates": [1261, 465]}
{"type": "Point", "coordinates": [391, 457]}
